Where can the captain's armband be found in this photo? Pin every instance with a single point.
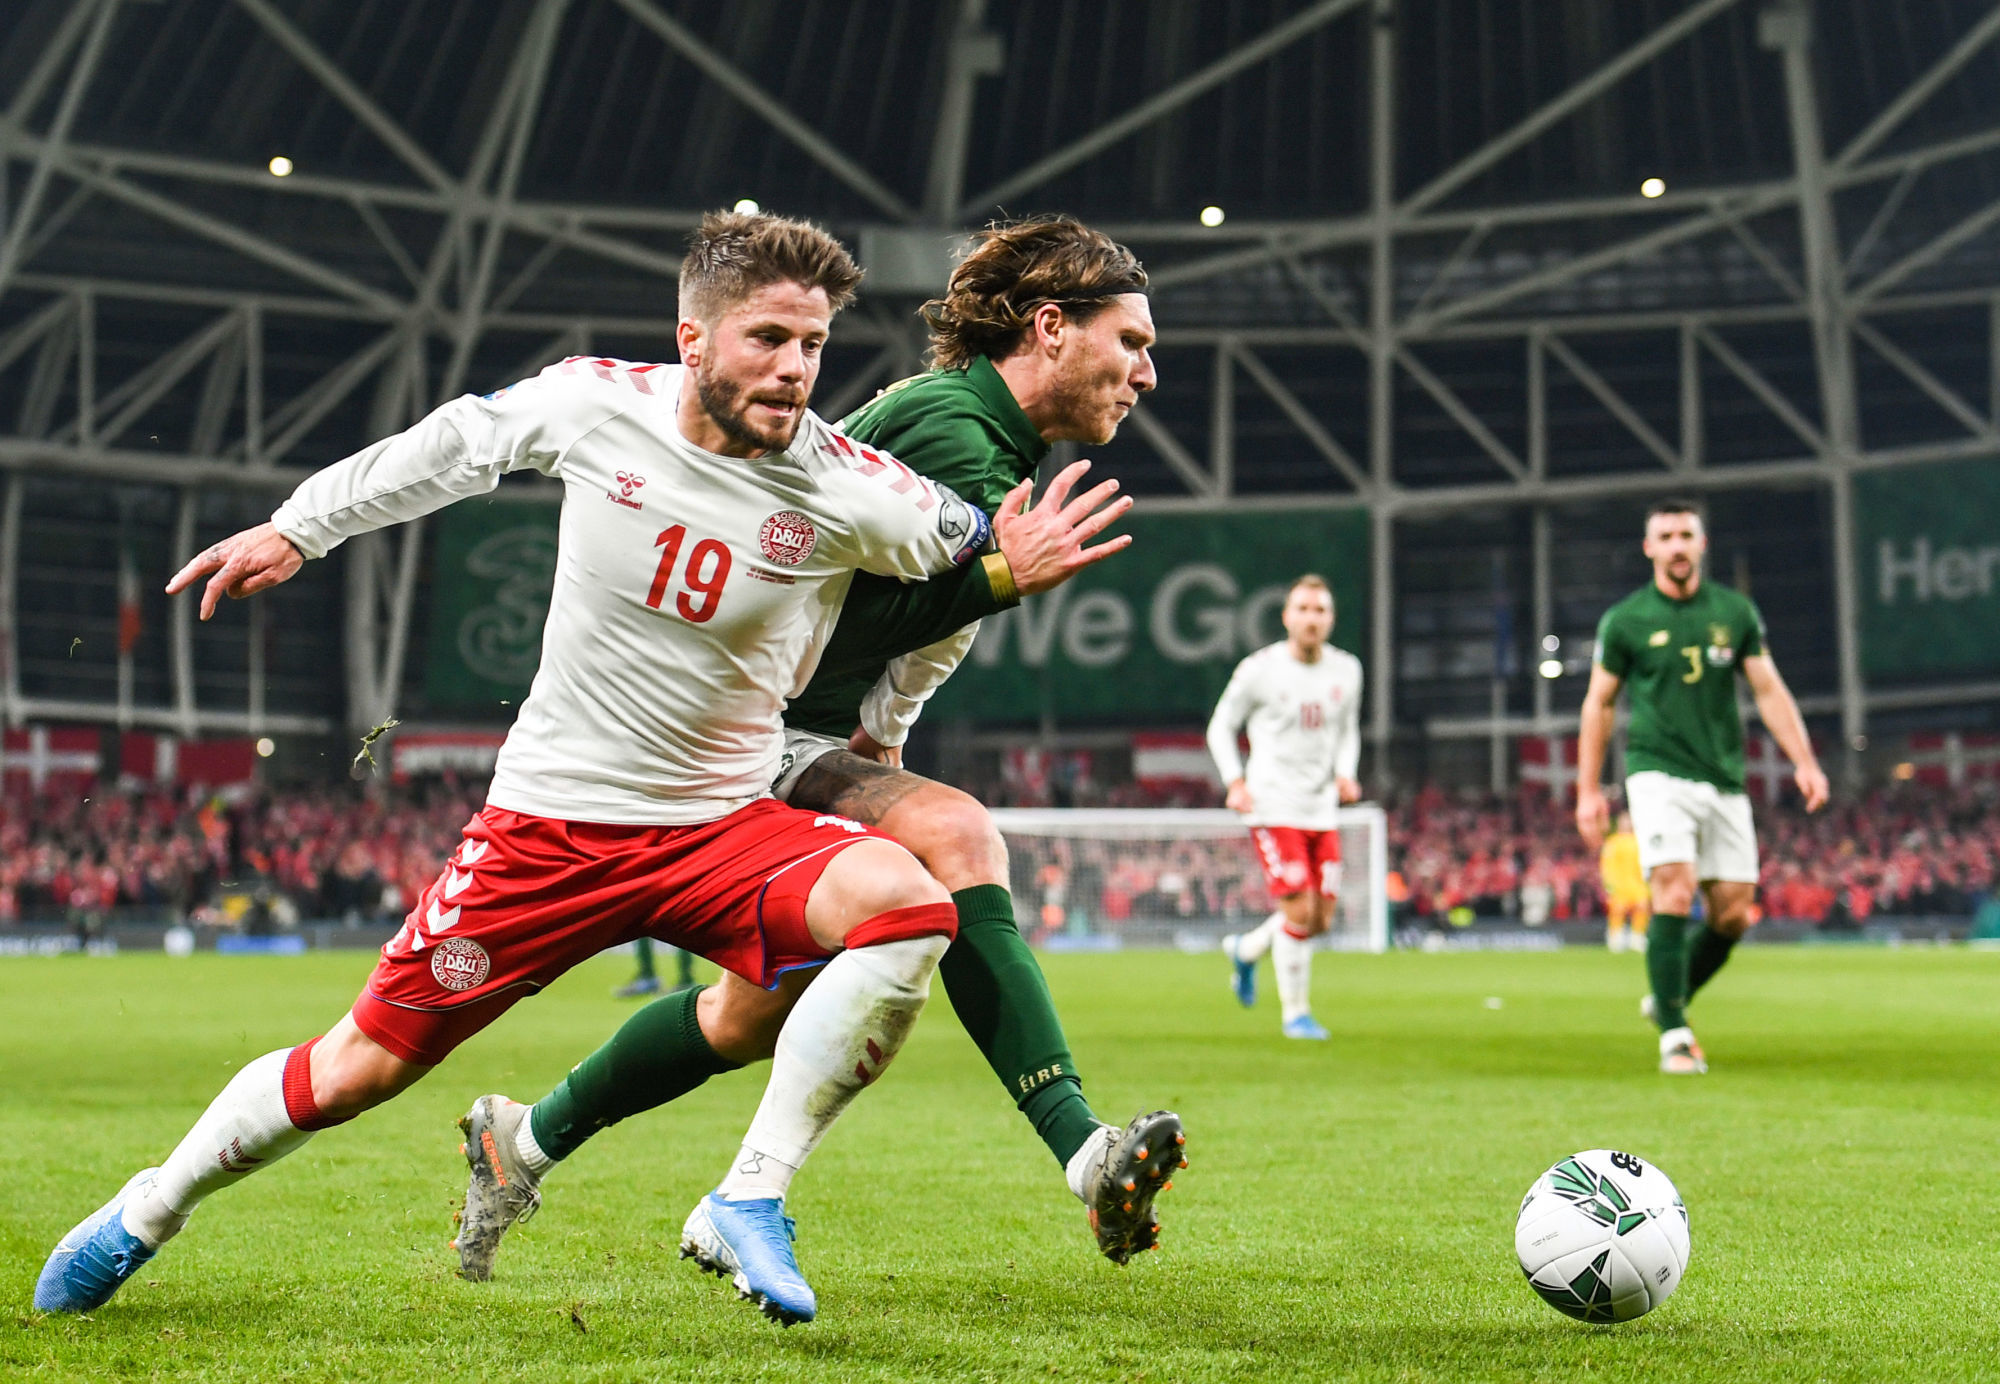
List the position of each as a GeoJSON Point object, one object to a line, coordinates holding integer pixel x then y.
{"type": "Point", "coordinates": [1000, 577]}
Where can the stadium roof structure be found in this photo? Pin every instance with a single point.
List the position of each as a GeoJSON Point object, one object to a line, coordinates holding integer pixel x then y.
{"type": "Point", "coordinates": [242, 237]}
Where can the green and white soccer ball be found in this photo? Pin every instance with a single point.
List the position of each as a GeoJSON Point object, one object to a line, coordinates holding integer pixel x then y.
{"type": "Point", "coordinates": [1603, 1236]}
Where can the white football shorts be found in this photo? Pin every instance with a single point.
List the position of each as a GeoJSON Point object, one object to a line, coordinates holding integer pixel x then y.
{"type": "Point", "coordinates": [1681, 820]}
{"type": "Point", "coordinates": [803, 749]}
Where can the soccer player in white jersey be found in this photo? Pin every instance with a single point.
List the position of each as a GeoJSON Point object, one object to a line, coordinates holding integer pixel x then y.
{"type": "Point", "coordinates": [1301, 699]}
{"type": "Point", "coordinates": [710, 526]}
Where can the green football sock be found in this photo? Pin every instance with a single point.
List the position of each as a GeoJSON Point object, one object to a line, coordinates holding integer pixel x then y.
{"type": "Point", "coordinates": [1667, 966]}
{"type": "Point", "coordinates": [999, 994]}
{"type": "Point", "coordinates": [683, 969]}
{"type": "Point", "coordinates": [658, 1056]}
{"type": "Point", "coordinates": [643, 950]}
{"type": "Point", "coordinates": [1710, 950]}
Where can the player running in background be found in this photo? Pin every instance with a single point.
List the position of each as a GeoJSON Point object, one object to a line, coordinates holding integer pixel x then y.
{"type": "Point", "coordinates": [710, 524]}
{"type": "Point", "coordinates": [1301, 699]}
{"type": "Point", "coordinates": [1680, 642]}
{"type": "Point", "coordinates": [1043, 335]}
{"type": "Point", "coordinates": [646, 979]}
{"type": "Point", "coordinates": [1626, 899]}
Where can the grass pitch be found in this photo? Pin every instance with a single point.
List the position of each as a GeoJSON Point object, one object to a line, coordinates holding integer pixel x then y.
{"type": "Point", "coordinates": [1348, 1215]}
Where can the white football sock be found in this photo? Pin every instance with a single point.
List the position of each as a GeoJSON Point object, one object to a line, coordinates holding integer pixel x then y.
{"type": "Point", "coordinates": [1252, 945]}
{"type": "Point", "coordinates": [844, 1030]}
{"type": "Point", "coordinates": [245, 1130]}
{"type": "Point", "coordinates": [1096, 1146]}
{"type": "Point", "coordinates": [1291, 958]}
{"type": "Point", "coordinates": [531, 1153]}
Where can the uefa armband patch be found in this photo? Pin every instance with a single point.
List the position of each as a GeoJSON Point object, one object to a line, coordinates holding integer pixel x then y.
{"type": "Point", "coordinates": [963, 526]}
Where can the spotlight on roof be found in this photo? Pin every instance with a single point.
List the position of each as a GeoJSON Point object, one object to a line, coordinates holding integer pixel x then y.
{"type": "Point", "coordinates": [748, 206]}
{"type": "Point", "coordinates": [1552, 668]}
{"type": "Point", "coordinates": [1653, 187]}
{"type": "Point", "coordinates": [1212, 216]}
{"type": "Point", "coordinates": [266, 747]}
{"type": "Point", "coordinates": [281, 167]}
{"type": "Point", "coordinates": [1551, 642]}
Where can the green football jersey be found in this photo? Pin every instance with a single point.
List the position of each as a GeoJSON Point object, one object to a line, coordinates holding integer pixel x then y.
{"type": "Point", "coordinates": [1680, 659]}
{"type": "Point", "coordinates": [964, 429]}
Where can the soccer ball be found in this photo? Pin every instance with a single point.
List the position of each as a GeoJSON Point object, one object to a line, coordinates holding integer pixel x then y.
{"type": "Point", "coordinates": [1603, 1236]}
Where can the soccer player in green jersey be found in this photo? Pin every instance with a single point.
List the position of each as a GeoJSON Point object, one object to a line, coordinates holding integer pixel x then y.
{"type": "Point", "coordinates": [1043, 335]}
{"type": "Point", "coordinates": [1680, 642]}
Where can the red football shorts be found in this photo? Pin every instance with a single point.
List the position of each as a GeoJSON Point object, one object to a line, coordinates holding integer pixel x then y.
{"type": "Point", "coordinates": [524, 898]}
{"type": "Point", "coordinates": [1296, 860]}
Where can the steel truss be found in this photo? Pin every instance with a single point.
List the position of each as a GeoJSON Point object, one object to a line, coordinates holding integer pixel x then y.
{"type": "Point", "coordinates": [464, 299]}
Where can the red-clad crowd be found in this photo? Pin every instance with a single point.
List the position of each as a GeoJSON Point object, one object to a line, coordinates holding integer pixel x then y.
{"type": "Point", "coordinates": [330, 852]}
{"type": "Point", "coordinates": [367, 852]}
{"type": "Point", "coordinates": [1909, 850]}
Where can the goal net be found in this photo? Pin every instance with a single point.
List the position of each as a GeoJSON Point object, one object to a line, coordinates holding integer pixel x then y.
{"type": "Point", "coordinates": [1146, 877]}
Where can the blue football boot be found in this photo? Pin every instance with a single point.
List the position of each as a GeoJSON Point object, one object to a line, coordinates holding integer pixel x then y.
{"type": "Point", "coordinates": [750, 1243]}
{"type": "Point", "coordinates": [1305, 1026]}
{"type": "Point", "coordinates": [1243, 976]}
{"type": "Point", "coordinates": [90, 1263]}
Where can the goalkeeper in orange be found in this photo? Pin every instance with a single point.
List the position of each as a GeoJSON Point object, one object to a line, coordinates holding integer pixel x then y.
{"type": "Point", "coordinates": [1627, 900]}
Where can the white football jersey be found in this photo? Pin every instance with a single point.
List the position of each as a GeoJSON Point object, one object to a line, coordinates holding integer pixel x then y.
{"type": "Point", "coordinates": [693, 592]}
{"type": "Point", "coordinates": [1305, 731]}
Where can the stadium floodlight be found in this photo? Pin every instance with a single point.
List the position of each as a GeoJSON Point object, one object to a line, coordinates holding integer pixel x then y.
{"type": "Point", "coordinates": [748, 206]}
{"type": "Point", "coordinates": [1551, 643]}
{"type": "Point", "coordinates": [281, 167]}
{"type": "Point", "coordinates": [266, 747]}
{"type": "Point", "coordinates": [1212, 216]}
{"type": "Point", "coordinates": [1552, 668]}
{"type": "Point", "coordinates": [1653, 187]}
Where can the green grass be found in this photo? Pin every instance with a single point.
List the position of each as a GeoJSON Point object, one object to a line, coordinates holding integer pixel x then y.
{"type": "Point", "coordinates": [1348, 1215]}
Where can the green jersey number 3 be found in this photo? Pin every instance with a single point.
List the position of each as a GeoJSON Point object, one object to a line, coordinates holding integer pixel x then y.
{"type": "Point", "coordinates": [1692, 653]}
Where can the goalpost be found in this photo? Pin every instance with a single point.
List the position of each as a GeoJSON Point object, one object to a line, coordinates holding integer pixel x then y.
{"type": "Point", "coordinates": [1105, 877]}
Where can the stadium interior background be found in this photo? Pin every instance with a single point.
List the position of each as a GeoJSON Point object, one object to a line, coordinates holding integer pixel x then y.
{"type": "Point", "coordinates": [1448, 291]}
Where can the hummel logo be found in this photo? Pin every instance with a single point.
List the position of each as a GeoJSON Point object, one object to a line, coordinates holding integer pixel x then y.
{"type": "Point", "coordinates": [234, 1160]}
{"type": "Point", "coordinates": [627, 483]}
{"type": "Point", "coordinates": [861, 1072]}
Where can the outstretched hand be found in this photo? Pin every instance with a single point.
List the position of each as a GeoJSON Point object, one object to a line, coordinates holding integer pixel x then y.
{"type": "Point", "coordinates": [1045, 545]}
{"type": "Point", "coordinates": [240, 565]}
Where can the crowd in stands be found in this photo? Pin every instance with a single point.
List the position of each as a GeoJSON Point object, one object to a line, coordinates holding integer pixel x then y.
{"type": "Point", "coordinates": [365, 852]}
{"type": "Point", "coordinates": [1907, 850]}
{"type": "Point", "coordinates": [337, 852]}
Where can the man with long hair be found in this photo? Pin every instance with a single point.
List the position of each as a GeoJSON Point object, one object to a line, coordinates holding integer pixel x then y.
{"type": "Point", "coordinates": [1044, 334]}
